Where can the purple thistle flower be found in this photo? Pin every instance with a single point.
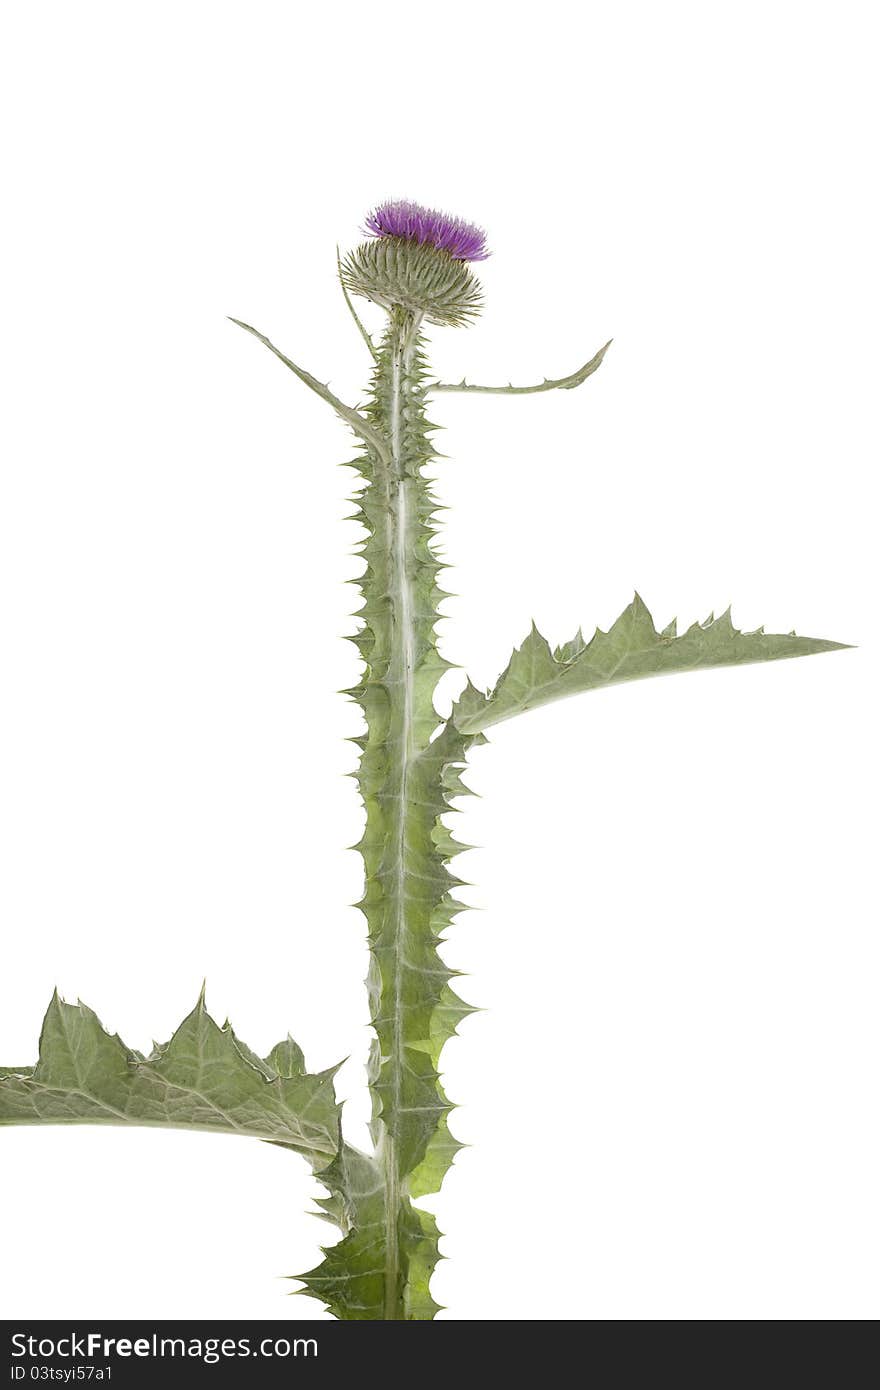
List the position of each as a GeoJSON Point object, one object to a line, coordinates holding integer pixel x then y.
{"type": "Point", "coordinates": [412, 222]}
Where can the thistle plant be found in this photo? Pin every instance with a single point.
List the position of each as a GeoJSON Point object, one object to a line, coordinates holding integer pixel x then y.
{"type": "Point", "coordinates": [415, 264]}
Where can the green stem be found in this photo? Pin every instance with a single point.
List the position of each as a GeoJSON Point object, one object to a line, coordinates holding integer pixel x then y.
{"type": "Point", "coordinates": [383, 1266]}
{"type": "Point", "coordinates": [402, 537]}
{"type": "Point", "coordinates": [402, 748]}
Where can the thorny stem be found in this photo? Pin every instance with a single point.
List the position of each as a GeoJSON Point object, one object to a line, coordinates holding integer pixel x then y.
{"type": "Point", "coordinates": [402, 744]}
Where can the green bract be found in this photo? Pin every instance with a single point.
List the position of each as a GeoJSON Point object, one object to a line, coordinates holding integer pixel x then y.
{"type": "Point", "coordinates": [413, 276]}
{"type": "Point", "coordinates": [409, 774]}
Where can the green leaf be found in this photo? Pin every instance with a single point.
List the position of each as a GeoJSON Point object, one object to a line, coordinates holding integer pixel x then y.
{"type": "Point", "coordinates": [631, 650]}
{"type": "Point", "coordinates": [203, 1079]}
{"type": "Point", "coordinates": [352, 417]}
{"type": "Point", "coordinates": [371, 346]}
{"type": "Point", "coordinates": [561, 383]}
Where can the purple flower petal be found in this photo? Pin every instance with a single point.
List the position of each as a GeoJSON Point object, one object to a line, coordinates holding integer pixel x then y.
{"type": "Point", "coordinates": [412, 222]}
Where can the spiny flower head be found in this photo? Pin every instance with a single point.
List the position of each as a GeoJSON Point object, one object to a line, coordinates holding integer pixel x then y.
{"type": "Point", "coordinates": [426, 226]}
{"type": "Point", "coordinates": [416, 260]}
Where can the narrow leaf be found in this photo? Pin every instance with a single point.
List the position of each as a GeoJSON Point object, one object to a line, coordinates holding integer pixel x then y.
{"type": "Point", "coordinates": [352, 417]}
{"type": "Point", "coordinates": [562, 383]}
{"type": "Point", "coordinates": [371, 346]}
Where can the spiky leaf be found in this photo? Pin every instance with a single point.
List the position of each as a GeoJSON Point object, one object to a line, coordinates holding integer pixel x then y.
{"type": "Point", "coordinates": [203, 1079]}
{"type": "Point", "coordinates": [631, 650]}
{"type": "Point", "coordinates": [559, 383]}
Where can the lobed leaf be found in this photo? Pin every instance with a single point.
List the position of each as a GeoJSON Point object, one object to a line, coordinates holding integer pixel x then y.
{"type": "Point", "coordinates": [203, 1079]}
{"type": "Point", "coordinates": [631, 650]}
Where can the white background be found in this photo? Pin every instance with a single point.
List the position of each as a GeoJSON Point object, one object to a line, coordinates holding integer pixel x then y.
{"type": "Point", "coordinates": [672, 1096]}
